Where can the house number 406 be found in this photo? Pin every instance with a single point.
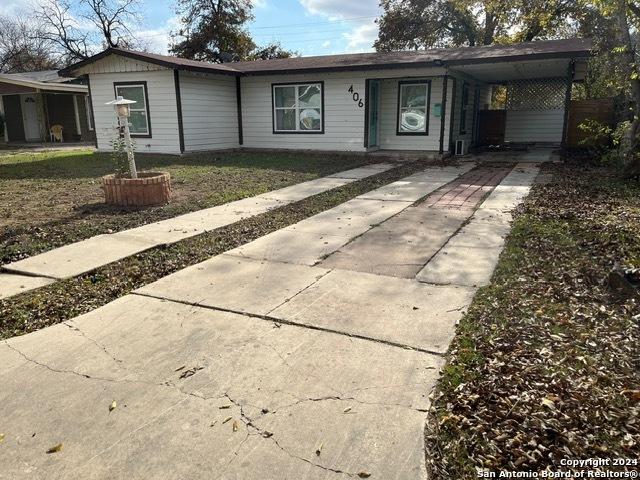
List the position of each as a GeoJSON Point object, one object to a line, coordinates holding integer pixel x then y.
{"type": "Point", "coordinates": [356, 97]}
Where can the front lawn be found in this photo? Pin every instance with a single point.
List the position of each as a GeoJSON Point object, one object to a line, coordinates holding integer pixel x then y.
{"type": "Point", "coordinates": [69, 298]}
{"type": "Point", "coordinates": [49, 199]}
{"type": "Point", "coordinates": [546, 363]}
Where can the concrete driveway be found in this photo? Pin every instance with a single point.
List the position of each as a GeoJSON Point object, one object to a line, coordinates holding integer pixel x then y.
{"type": "Point", "coordinates": [307, 354]}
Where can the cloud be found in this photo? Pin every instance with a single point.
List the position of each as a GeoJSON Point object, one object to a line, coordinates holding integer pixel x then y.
{"type": "Point", "coordinates": [157, 40]}
{"type": "Point", "coordinates": [338, 9]}
{"type": "Point", "coordinates": [363, 31]}
{"type": "Point", "coordinates": [361, 38]}
{"type": "Point", "coordinates": [326, 44]}
{"type": "Point", "coordinates": [13, 7]}
{"type": "Point", "coordinates": [259, 3]}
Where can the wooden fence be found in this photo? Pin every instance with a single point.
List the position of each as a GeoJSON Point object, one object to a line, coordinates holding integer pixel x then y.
{"type": "Point", "coordinates": [600, 110]}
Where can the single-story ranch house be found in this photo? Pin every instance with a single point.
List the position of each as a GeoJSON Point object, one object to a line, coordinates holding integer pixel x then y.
{"type": "Point", "coordinates": [431, 101]}
{"type": "Point", "coordinates": [33, 102]}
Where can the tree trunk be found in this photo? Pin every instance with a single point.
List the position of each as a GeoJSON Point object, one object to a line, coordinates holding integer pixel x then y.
{"type": "Point", "coordinates": [629, 147]}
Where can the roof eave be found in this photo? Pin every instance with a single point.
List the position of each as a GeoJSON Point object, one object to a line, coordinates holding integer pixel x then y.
{"type": "Point", "coordinates": [71, 69]}
{"type": "Point", "coordinates": [432, 63]}
{"type": "Point", "coordinates": [52, 87]}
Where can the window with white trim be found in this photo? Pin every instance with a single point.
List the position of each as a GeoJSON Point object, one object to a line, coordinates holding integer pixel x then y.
{"type": "Point", "coordinates": [139, 111]}
{"type": "Point", "coordinates": [298, 108]}
{"type": "Point", "coordinates": [413, 107]}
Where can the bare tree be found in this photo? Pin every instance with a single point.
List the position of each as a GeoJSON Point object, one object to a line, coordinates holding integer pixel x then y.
{"type": "Point", "coordinates": [60, 28]}
{"type": "Point", "coordinates": [93, 24]}
{"type": "Point", "coordinates": [113, 18]}
{"type": "Point", "coordinates": [21, 49]}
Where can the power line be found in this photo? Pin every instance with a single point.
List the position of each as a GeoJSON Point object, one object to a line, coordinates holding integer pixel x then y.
{"type": "Point", "coordinates": [296, 34]}
{"type": "Point", "coordinates": [291, 25]}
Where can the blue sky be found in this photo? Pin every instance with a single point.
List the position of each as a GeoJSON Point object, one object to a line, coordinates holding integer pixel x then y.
{"type": "Point", "coordinates": [309, 27]}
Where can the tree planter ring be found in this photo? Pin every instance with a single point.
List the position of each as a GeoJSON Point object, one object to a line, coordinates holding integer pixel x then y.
{"type": "Point", "coordinates": [150, 188]}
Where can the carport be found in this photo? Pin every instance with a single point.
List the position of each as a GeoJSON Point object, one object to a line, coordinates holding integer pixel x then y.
{"type": "Point", "coordinates": [522, 102]}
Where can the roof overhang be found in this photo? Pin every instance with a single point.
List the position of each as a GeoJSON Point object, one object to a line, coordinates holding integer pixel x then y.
{"type": "Point", "coordinates": [23, 85]}
{"type": "Point", "coordinates": [565, 50]}
{"type": "Point", "coordinates": [76, 69]}
{"type": "Point", "coordinates": [519, 70]}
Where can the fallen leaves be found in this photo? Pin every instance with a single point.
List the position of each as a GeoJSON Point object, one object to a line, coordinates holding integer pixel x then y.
{"type": "Point", "coordinates": [545, 364]}
{"type": "Point", "coordinates": [69, 298]}
{"type": "Point", "coordinates": [55, 449]}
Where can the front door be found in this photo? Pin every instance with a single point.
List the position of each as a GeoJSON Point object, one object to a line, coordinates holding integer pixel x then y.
{"type": "Point", "coordinates": [374, 108]}
{"type": "Point", "coordinates": [30, 112]}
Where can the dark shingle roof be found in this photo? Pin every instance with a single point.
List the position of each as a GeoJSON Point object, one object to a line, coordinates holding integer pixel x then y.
{"type": "Point", "coordinates": [568, 48]}
{"type": "Point", "coordinates": [451, 56]}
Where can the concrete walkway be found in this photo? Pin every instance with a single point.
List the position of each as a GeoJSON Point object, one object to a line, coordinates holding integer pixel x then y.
{"type": "Point", "coordinates": [82, 257]}
{"type": "Point", "coordinates": [288, 358]}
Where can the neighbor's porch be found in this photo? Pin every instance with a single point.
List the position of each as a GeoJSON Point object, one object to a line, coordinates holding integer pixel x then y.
{"type": "Point", "coordinates": [29, 115]}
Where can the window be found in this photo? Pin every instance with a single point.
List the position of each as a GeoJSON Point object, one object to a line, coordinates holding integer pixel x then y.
{"type": "Point", "coordinates": [87, 110]}
{"type": "Point", "coordinates": [413, 107]}
{"type": "Point", "coordinates": [464, 107]}
{"type": "Point", "coordinates": [139, 121]}
{"type": "Point", "coordinates": [298, 108]}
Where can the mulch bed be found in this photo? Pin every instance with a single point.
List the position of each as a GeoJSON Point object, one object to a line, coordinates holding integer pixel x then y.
{"type": "Point", "coordinates": [546, 363]}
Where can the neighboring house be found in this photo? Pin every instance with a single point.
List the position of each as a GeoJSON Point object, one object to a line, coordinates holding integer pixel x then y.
{"type": "Point", "coordinates": [426, 101]}
{"type": "Point", "coordinates": [32, 102]}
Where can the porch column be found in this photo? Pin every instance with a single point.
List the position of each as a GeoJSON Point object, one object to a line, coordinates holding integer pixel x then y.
{"type": "Point", "coordinates": [77, 115]}
{"type": "Point", "coordinates": [42, 116]}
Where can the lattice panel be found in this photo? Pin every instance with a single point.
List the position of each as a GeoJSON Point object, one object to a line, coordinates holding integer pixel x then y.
{"type": "Point", "coordinates": [542, 94]}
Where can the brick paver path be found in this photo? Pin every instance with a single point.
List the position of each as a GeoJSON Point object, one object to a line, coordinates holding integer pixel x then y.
{"type": "Point", "coordinates": [467, 191]}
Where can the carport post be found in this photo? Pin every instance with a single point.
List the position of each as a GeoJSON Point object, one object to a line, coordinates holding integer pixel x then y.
{"type": "Point", "coordinates": [567, 100]}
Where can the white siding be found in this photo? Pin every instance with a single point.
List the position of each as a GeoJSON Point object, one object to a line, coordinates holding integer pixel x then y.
{"type": "Point", "coordinates": [343, 118]}
{"type": "Point", "coordinates": [117, 63]}
{"type": "Point", "coordinates": [209, 111]}
{"type": "Point", "coordinates": [534, 126]}
{"type": "Point", "coordinates": [163, 112]}
{"type": "Point", "coordinates": [389, 139]}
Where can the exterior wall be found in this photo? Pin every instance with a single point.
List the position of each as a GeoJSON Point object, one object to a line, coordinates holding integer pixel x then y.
{"type": "Point", "coordinates": [163, 112]}
{"type": "Point", "coordinates": [390, 140]}
{"type": "Point", "coordinates": [209, 111]}
{"type": "Point", "coordinates": [344, 119]}
{"type": "Point", "coordinates": [534, 126]}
